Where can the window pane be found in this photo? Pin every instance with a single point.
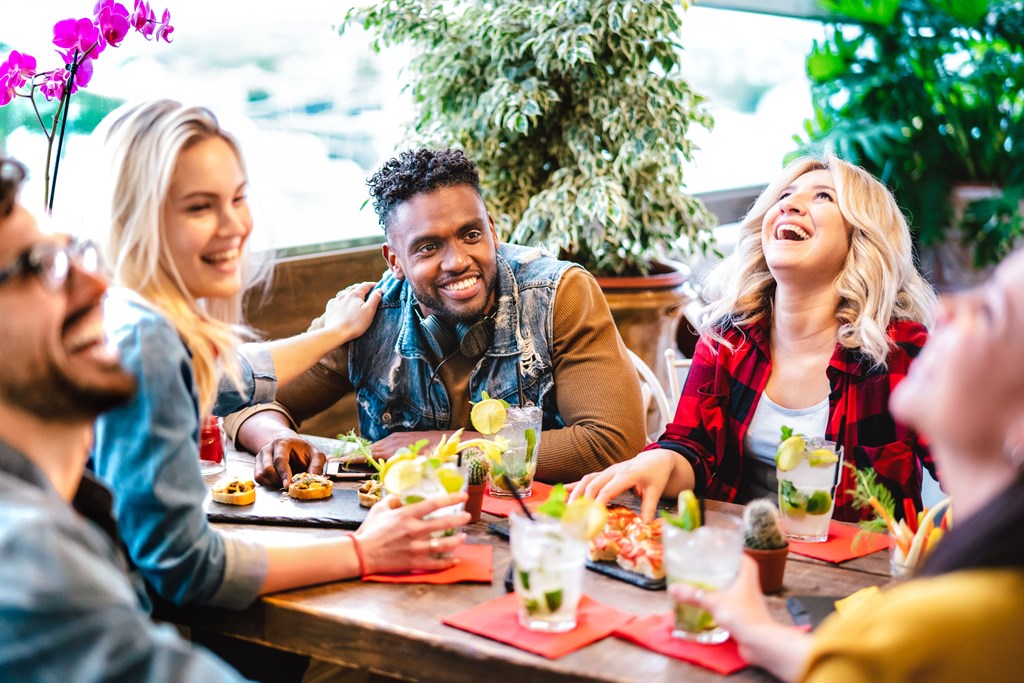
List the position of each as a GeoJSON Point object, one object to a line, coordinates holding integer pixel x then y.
{"type": "Point", "coordinates": [751, 68]}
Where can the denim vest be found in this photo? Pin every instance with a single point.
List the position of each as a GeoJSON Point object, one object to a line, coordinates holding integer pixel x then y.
{"type": "Point", "coordinates": [391, 368]}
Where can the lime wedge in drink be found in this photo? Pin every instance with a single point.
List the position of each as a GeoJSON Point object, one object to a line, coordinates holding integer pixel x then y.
{"type": "Point", "coordinates": [789, 453]}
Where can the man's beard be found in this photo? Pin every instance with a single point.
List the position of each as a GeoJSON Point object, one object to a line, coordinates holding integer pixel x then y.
{"type": "Point", "coordinates": [451, 316]}
{"type": "Point", "coordinates": [57, 397]}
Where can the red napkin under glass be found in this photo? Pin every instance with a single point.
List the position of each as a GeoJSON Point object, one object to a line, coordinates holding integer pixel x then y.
{"type": "Point", "coordinates": [498, 620]}
{"type": "Point", "coordinates": [474, 565]}
{"type": "Point", "coordinates": [500, 507]}
{"type": "Point", "coordinates": [839, 547]}
{"type": "Point", "coordinates": [655, 633]}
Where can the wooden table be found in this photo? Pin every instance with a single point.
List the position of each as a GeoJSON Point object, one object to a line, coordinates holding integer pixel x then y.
{"type": "Point", "coordinates": [396, 629]}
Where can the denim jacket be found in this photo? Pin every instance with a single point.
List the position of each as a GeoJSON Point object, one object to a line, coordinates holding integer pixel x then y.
{"type": "Point", "coordinates": [147, 452]}
{"type": "Point", "coordinates": [68, 612]}
{"type": "Point", "coordinates": [391, 388]}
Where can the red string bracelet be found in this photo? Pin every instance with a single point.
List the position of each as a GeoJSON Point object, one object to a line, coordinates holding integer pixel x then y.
{"type": "Point", "coordinates": [359, 555]}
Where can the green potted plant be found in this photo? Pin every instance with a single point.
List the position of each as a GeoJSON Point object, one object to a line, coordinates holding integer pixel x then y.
{"type": "Point", "coordinates": [477, 466]}
{"type": "Point", "coordinates": [929, 96]}
{"type": "Point", "coordinates": [578, 118]}
{"type": "Point", "coordinates": [763, 541]}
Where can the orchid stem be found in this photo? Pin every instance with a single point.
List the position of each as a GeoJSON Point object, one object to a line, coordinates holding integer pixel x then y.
{"type": "Point", "coordinates": [65, 106]}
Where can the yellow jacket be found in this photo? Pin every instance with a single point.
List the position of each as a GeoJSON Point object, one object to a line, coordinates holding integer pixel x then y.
{"type": "Point", "coordinates": [966, 626]}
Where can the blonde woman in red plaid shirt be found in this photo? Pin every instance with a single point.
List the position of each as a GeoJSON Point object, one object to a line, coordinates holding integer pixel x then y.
{"type": "Point", "coordinates": [813, 320]}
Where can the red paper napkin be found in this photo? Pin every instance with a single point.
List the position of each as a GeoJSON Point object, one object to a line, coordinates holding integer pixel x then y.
{"type": "Point", "coordinates": [502, 506]}
{"type": "Point", "coordinates": [474, 565]}
{"type": "Point", "coordinates": [839, 547]}
{"type": "Point", "coordinates": [655, 633]}
{"type": "Point", "coordinates": [498, 620]}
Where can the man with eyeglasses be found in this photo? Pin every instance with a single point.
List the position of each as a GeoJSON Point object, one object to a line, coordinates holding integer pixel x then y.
{"type": "Point", "coordinates": [68, 610]}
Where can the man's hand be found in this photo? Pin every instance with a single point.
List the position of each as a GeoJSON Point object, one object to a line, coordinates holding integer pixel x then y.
{"type": "Point", "coordinates": [398, 539]}
{"type": "Point", "coordinates": [651, 474]}
{"type": "Point", "coordinates": [286, 454]}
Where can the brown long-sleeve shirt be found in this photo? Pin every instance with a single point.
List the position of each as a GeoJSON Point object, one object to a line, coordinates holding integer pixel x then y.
{"type": "Point", "coordinates": [596, 388]}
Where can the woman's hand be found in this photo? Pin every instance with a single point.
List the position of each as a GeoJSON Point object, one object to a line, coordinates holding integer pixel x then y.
{"type": "Point", "coordinates": [742, 610]}
{"type": "Point", "coordinates": [652, 474]}
{"type": "Point", "coordinates": [350, 312]}
{"type": "Point", "coordinates": [396, 538]}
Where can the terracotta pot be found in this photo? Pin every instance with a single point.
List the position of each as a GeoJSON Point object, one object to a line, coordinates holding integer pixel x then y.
{"type": "Point", "coordinates": [647, 311]}
{"type": "Point", "coordinates": [476, 501]}
{"type": "Point", "coordinates": [771, 566]}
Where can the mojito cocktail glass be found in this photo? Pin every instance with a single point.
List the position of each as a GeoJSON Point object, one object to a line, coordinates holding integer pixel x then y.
{"type": "Point", "coordinates": [422, 478]}
{"type": "Point", "coordinates": [807, 491]}
{"type": "Point", "coordinates": [707, 557]}
{"type": "Point", "coordinates": [522, 431]}
{"type": "Point", "coordinates": [548, 575]}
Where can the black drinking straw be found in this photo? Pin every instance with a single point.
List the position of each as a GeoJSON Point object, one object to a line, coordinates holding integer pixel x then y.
{"type": "Point", "coordinates": [515, 494]}
{"type": "Point", "coordinates": [519, 383]}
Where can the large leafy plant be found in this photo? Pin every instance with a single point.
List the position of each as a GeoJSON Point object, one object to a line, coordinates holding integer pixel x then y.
{"type": "Point", "coordinates": [927, 94]}
{"type": "Point", "coordinates": [575, 111]}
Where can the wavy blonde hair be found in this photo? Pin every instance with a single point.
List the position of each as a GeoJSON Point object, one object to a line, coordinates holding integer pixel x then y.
{"type": "Point", "coordinates": [143, 143]}
{"type": "Point", "coordinates": [877, 286]}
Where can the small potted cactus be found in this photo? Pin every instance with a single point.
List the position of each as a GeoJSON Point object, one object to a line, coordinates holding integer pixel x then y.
{"type": "Point", "coordinates": [765, 543]}
{"type": "Point", "coordinates": [477, 466]}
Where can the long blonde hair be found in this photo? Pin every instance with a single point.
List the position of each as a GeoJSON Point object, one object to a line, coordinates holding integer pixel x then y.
{"type": "Point", "coordinates": [143, 143]}
{"type": "Point", "coordinates": [877, 285]}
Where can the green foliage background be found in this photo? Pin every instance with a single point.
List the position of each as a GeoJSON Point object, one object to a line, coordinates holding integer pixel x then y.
{"type": "Point", "coordinates": [575, 111]}
{"type": "Point", "coordinates": [926, 94]}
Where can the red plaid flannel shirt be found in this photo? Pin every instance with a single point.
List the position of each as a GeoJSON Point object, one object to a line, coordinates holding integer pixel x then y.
{"type": "Point", "coordinates": [722, 391]}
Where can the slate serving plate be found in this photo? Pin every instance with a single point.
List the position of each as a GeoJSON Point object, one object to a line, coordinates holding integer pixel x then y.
{"type": "Point", "coordinates": [341, 510]}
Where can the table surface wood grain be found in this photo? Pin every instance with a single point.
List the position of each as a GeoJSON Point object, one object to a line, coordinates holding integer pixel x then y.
{"type": "Point", "coordinates": [396, 629]}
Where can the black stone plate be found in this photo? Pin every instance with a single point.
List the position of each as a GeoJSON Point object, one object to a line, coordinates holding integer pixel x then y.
{"type": "Point", "coordinates": [273, 506]}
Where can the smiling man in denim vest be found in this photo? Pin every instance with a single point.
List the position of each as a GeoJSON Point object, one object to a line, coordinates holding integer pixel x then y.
{"type": "Point", "coordinates": [459, 311]}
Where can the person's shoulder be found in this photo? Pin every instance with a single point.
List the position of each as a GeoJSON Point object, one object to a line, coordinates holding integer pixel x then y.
{"type": "Point", "coordinates": [126, 313]}
{"type": "Point", "coordinates": [908, 332]}
{"type": "Point", "coordinates": [534, 263]}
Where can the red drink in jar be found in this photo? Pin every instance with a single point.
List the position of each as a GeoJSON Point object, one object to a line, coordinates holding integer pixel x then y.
{"type": "Point", "coordinates": [211, 446]}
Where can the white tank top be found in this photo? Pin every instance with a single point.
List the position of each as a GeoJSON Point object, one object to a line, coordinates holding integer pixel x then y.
{"type": "Point", "coordinates": [762, 437]}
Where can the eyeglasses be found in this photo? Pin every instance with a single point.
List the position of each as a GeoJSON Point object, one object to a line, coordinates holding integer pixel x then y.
{"type": "Point", "coordinates": [51, 262]}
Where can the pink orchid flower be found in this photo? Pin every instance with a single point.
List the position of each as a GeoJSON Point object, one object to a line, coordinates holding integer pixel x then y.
{"type": "Point", "coordinates": [14, 71]}
{"type": "Point", "coordinates": [56, 80]}
{"type": "Point", "coordinates": [112, 20]}
{"type": "Point", "coordinates": [78, 34]}
{"type": "Point", "coordinates": [164, 31]}
{"type": "Point", "coordinates": [144, 19]}
{"type": "Point", "coordinates": [7, 91]}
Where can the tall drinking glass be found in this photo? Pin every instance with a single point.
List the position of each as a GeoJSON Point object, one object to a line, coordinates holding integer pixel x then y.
{"type": "Point", "coordinates": [548, 574]}
{"type": "Point", "coordinates": [709, 558]}
{"type": "Point", "coordinates": [807, 491]}
{"type": "Point", "coordinates": [522, 431]}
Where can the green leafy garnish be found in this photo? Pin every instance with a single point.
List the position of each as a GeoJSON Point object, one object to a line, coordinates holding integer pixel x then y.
{"type": "Point", "coordinates": [361, 446]}
{"type": "Point", "coordinates": [524, 578]}
{"type": "Point", "coordinates": [866, 486]}
{"type": "Point", "coordinates": [554, 506]}
{"type": "Point", "coordinates": [531, 443]}
{"type": "Point", "coordinates": [786, 433]}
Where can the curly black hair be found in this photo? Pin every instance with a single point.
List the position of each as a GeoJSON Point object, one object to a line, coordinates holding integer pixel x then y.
{"type": "Point", "coordinates": [12, 174]}
{"type": "Point", "coordinates": [417, 171]}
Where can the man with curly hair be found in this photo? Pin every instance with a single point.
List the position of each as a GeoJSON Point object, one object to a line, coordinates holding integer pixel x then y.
{"type": "Point", "coordinates": [459, 313]}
